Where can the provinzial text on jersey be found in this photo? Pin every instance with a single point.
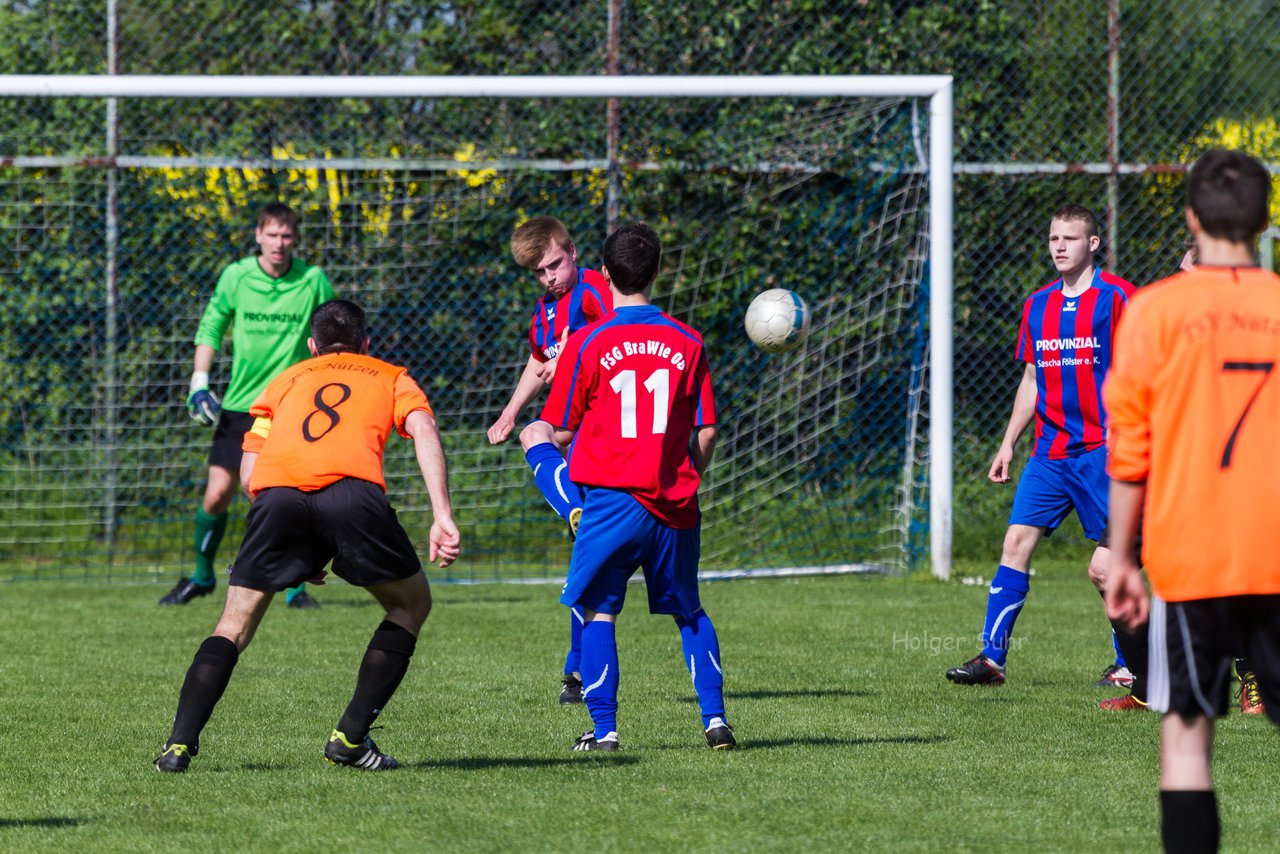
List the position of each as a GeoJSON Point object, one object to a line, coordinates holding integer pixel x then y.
{"type": "Point", "coordinates": [1052, 344]}
{"type": "Point", "coordinates": [272, 317]}
{"type": "Point", "coordinates": [616, 353]}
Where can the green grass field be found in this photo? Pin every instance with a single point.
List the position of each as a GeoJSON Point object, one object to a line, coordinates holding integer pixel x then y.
{"type": "Point", "coordinates": [851, 738]}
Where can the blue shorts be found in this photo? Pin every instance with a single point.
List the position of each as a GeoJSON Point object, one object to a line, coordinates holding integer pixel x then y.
{"type": "Point", "coordinates": [1049, 489]}
{"type": "Point", "coordinates": [616, 537]}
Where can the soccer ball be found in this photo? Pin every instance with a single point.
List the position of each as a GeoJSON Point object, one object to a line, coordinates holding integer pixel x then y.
{"type": "Point", "coordinates": [777, 321]}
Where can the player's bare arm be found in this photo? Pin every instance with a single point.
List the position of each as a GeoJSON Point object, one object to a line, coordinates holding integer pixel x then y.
{"type": "Point", "coordinates": [247, 462]}
{"type": "Point", "coordinates": [444, 538]}
{"type": "Point", "coordinates": [1024, 409]}
{"type": "Point", "coordinates": [1125, 592]}
{"type": "Point", "coordinates": [703, 446]}
{"type": "Point", "coordinates": [528, 386]}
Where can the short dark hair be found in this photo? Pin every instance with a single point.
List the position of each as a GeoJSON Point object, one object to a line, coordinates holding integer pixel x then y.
{"type": "Point", "coordinates": [337, 326]}
{"type": "Point", "coordinates": [631, 255]}
{"type": "Point", "coordinates": [1078, 213]}
{"type": "Point", "coordinates": [278, 212]}
{"type": "Point", "coordinates": [1228, 192]}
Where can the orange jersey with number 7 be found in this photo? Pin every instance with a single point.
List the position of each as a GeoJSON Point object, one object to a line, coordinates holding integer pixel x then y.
{"type": "Point", "coordinates": [1193, 406]}
{"type": "Point", "coordinates": [328, 418]}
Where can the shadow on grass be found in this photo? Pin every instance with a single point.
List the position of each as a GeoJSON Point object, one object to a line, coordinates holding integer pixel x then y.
{"type": "Point", "coordinates": [481, 764]}
{"type": "Point", "coordinates": [770, 743]}
{"type": "Point", "coordinates": [50, 821]}
{"type": "Point", "coordinates": [786, 694]}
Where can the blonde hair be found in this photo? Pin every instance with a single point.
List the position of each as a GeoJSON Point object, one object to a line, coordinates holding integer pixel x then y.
{"type": "Point", "coordinates": [531, 241]}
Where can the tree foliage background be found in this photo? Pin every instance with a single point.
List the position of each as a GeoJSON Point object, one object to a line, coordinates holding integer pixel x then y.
{"type": "Point", "coordinates": [425, 246]}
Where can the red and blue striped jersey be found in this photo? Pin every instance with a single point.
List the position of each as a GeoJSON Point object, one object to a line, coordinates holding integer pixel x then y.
{"type": "Point", "coordinates": [1070, 340]}
{"type": "Point", "coordinates": [633, 387]}
{"type": "Point", "coordinates": [586, 302]}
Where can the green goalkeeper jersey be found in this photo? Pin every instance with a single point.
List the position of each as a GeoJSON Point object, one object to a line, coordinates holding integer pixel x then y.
{"type": "Point", "coordinates": [269, 323]}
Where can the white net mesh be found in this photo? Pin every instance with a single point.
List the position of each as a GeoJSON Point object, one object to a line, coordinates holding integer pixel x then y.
{"type": "Point", "coordinates": [408, 205]}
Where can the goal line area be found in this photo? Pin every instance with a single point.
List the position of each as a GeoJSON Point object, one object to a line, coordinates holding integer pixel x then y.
{"type": "Point", "coordinates": [122, 198]}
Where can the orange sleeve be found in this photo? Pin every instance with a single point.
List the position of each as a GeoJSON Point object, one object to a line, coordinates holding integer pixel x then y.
{"type": "Point", "coordinates": [409, 397]}
{"type": "Point", "coordinates": [1127, 395]}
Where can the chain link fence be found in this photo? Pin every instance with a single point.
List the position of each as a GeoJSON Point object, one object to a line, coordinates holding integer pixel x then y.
{"type": "Point", "coordinates": [1098, 103]}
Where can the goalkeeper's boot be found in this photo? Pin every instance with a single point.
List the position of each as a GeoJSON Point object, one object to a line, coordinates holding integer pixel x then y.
{"type": "Point", "coordinates": [588, 741]}
{"type": "Point", "coordinates": [1123, 703]}
{"type": "Point", "coordinates": [572, 690]}
{"type": "Point", "coordinates": [1250, 696]}
{"type": "Point", "coordinates": [303, 601]}
{"type": "Point", "coordinates": [185, 590]}
{"type": "Point", "coordinates": [364, 755]}
{"type": "Point", "coordinates": [978, 670]}
{"type": "Point", "coordinates": [176, 757]}
{"type": "Point", "coordinates": [1115, 676]}
{"type": "Point", "coordinates": [720, 735]}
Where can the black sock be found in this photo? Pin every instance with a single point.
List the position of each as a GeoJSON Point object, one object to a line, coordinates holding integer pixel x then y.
{"type": "Point", "coordinates": [207, 678]}
{"type": "Point", "coordinates": [384, 665]}
{"type": "Point", "coordinates": [1189, 822]}
{"type": "Point", "coordinates": [1133, 646]}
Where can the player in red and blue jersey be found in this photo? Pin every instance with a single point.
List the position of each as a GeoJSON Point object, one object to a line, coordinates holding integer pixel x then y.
{"type": "Point", "coordinates": [634, 398]}
{"type": "Point", "coordinates": [575, 296]}
{"type": "Point", "coordinates": [1068, 328]}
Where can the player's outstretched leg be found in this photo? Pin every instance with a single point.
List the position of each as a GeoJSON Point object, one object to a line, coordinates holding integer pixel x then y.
{"type": "Point", "coordinates": [1005, 598]}
{"type": "Point", "coordinates": [206, 680]}
{"type": "Point", "coordinates": [702, 657]}
{"type": "Point", "coordinates": [571, 692]}
{"type": "Point", "coordinates": [600, 685]}
{"type": "Point", "coordinates": [551, 475]}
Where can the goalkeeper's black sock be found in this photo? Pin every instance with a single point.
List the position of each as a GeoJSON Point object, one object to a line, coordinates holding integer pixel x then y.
{"type": "Point", "coordinates": [209, 531]}
{"type": "Point", "coordinates": [384, 665]}
{"type": "Point", "coordinates": [1189, 822]}
{"type": "Point", "coordinates": [207, 678]}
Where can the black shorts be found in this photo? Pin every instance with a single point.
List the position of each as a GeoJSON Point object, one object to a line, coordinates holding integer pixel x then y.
{"type": "Point", "coordinates": [228, 437]}
{"type": "Point", "coordinates": [1193, 644]}
{"type": "Point", "coordinates": [291, 535]}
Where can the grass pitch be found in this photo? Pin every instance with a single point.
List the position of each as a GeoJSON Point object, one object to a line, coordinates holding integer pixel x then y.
{"type": "Point", "coordinates": [851, 738]}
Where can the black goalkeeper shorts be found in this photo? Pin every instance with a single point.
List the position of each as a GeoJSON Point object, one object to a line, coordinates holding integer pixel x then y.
{"type": "Point", "coordinates": [291, 535]}
{"type": "Point", "coordinates": [228, 440]}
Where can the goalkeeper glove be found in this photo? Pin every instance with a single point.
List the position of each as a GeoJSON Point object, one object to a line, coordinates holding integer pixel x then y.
{"type": "Point", "coordinates": [202, 403]}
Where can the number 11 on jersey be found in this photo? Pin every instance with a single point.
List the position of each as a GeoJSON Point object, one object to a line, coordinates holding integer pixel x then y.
{"type": "Point", "coordinates": [659, 387]}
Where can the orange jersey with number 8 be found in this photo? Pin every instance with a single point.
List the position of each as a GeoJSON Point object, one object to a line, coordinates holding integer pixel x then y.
{"type": "Point", "coordinates": [1193, 406]}
{"type": "Point", "coordinates": [328, 418]}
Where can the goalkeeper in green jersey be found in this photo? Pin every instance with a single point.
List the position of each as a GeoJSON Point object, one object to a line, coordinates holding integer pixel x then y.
{"type": "Point", "coordinates": [267, 299]}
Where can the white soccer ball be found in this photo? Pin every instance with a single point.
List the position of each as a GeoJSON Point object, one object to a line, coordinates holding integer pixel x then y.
{"type": "Point", "coordinates": [778, 320]}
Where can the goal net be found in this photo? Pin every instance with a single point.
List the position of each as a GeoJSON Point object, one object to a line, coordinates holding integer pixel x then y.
{"type": "Point", "coordinates": [117, 215]}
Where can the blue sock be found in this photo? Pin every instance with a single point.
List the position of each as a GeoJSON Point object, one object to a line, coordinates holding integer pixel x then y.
{"type": "Point", "coordinates": [702, 657]}
{"type": "Point", "coordinates": [600, 675]}
{"type": "Point", "coordinates": [1005, 599]}
{"type": "Point", "coordinates": [573, 661]}
{"type": "Point", "coordinates": [551, 475]}
{"type": "Point", "coordinates": [1120, 662]}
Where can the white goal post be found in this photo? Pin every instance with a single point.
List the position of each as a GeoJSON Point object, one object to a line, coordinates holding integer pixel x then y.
{"type": "Point", "coordinates": [936, 88]}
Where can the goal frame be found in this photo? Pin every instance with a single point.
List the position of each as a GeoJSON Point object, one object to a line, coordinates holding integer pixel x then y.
{"type": "Point", "coordinates": [937, 88]}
